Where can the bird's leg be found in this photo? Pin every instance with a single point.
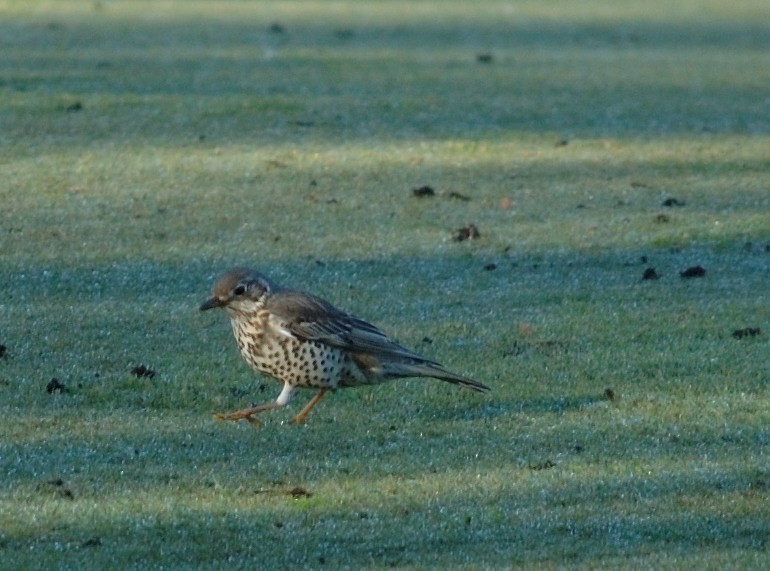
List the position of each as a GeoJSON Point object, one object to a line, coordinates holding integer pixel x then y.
{"type": "Point", "coordinates": [247, 413]}
{"type": "Point", "coordinates": [302, 415]}
{"type": "Point", "coordinates": [282, 400]}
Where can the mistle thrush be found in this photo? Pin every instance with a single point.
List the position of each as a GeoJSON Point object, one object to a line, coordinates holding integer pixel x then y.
{"type": "Point", "coordinates": [303, 341]}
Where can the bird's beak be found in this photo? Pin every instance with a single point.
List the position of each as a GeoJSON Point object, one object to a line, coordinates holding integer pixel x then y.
{"type": "Point", "coordinates": [211, 303]}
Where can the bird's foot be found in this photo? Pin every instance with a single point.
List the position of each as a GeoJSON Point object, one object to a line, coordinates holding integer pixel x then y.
{"type": "Point", "coordinates": [248, 413]}
{"type": "Point", "coordinates": [237, 415]}
{"type": "Point", "coordinates": [300, 417]}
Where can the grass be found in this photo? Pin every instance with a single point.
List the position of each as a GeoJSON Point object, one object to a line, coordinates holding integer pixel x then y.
{"type": "Point", "coordinates": [147, 146]}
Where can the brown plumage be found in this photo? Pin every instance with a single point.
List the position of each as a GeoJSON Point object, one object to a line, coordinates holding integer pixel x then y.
{"type": "Point", "coordinates": [304, 341]}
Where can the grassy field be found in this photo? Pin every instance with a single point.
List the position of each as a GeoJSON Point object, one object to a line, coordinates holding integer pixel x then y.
{"type": "Point", "coordinates": [146, 146]}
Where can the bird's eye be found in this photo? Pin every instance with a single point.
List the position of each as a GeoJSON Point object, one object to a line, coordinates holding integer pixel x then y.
{"type": "Point", "coordinates": [239, 290]}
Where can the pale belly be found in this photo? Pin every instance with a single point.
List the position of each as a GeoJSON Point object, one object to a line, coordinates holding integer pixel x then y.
{"type": "Point", "coordinates": [303, 364]}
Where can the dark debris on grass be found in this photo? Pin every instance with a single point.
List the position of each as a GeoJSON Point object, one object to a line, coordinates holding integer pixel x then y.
{"type": "Point", "coordinates": [423, 191]}
{"type": "Point", "coordinates": [459, 196]}
{"type": "Point", "coordinates": [747, 332]}
{"type": "Point", "coordinates": [299, 492]}
{"type": "Point", "coordinates": [142, 371]}
{"type": "Point", "coordinates": [545, 465]}
{"type": "Point", "coordinates": [91, 542]}
{"type": "Point", "coordinates": [57, 485]}
{"type": "Point", "coordinates": [650, 274]}
{"type": "Point", "coordinates": [56, 386]}
{"type": "Point", "coordinates": [693, 272]}
{"type": "Point", "coordinates": [427, 191]}
{"type": "Point", "coordinates": [467, 232]}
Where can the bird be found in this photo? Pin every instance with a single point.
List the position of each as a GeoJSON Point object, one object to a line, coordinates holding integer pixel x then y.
{"type": "Point", "coordinates": [303, 341]}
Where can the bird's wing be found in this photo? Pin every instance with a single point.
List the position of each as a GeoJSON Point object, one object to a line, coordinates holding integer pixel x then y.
{"type": "Point", "coordinates": [305, 316]}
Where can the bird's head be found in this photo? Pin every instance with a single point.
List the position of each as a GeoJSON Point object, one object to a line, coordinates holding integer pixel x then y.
{"type": "Point", "coordinates": [239, 290]}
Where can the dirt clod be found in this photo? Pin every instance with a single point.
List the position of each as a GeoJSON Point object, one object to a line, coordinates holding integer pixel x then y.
{"type": "Point", "coordinates": [747, 332]}
{"type": "Point", "coordinates": [650, 274]}
{"type": "Point", "coordinates": [423, 191]}
{"type": "Point", "coordinates": [300, 492]}
{"type": "Point", "coordinates": [55, 386]}
{"type": "Point", "coordinates": [546, 465]}
{"type": "Point", "coordinates": [610, 394]}
{"type": "Point", "coordinates": [467, 232]}
{"type": "Point", "coordinates": [693, 272]}
{"type": "Point", "coordinates": [143, 371]}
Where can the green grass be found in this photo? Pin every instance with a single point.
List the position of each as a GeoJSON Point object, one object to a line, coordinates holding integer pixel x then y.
{"type": "Point", "coordinates": [203, 138]}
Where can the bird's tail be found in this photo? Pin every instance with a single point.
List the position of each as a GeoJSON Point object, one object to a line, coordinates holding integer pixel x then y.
{"type": "Point", "coordinates": [429, 369]}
